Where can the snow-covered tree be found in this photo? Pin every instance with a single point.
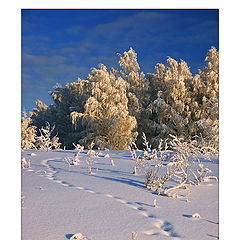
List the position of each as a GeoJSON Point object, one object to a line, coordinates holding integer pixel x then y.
{"type": "Point", "coordinates": [28, 132]}
{"type": "Point", "coordinates": [170, 110]}
{"type": "Point", "coordinates": [137, 84]}
{"type": "Point", "coordinates": [138, 91]}
{"type": "Point", "coordinates": [41, 114]}
{"type": "Point", "coordinates": [205, 98]}
{"type": "Point", "coordinates": [210, 77]}
{"type": "Point", "coordinates": [70, 99]}
{"type": "Point", "coordinates": [67, 100]}
{"type": "Point", "coordinates": [182, 104]}
{"type": "Point", "coordinates": [111, 108]}
{"type": "Point", "coordinates": [106, 113]}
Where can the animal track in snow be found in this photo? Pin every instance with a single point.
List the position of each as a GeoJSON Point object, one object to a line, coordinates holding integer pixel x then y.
{"type": "Point", "coordinates": [162, 228]}
{"type": "Point", "coordinates": [159, 226]}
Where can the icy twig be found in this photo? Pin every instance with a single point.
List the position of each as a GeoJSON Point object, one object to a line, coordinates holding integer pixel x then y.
{"type": "Point", "coordinates": [29, 164]}
{"type": "Point", "coordinates": [155, 203]}
{"type": "Point", "coordinates": [78, 147]}
{"type": "Point", "coordinates": [23, 162]}
{"type": "Point", "coordinates": [90, 157]}
{"type": "Point", "coordinates": [112, 163]}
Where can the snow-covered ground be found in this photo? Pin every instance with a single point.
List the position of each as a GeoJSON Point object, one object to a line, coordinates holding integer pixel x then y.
{"type": "Point", "coordinates": [59, 200]}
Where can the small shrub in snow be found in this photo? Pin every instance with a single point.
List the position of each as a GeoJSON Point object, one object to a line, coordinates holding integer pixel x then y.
{"type": "Point", "coordinates": [72, 160]}
{"type": "Point", "coordinates": [200, 174]}
{"type": "Point", "coordinates": [172, 166]}
{"type": "Point", "coordinates": [23, 162]}
{"type": "Point", "coordinates": [89, 160]}
{"type": "Point", "coordinates": [136, 158]}
{"type": "Point", "coordinates": [78, 147]}
{"type": "Point", "coordinates": [55, 143]}
{"type": "Point", "coordinates": [76, 159]}
{"type": "Point", "coordinates": [45, 141]}
{"type": "Point", "coordinates": [181, 168]}
{"type": "Point", "coordinates": [148, 155]}
{"type": "Point", "coordinates": [91, 152]}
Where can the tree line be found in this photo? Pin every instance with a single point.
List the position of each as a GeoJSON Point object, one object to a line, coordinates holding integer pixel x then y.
{"type": "Point", "coordinates": [112, 108]}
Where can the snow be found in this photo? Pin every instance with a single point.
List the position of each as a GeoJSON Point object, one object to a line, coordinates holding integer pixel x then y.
{"type": "Point", "coordinates": [77, 236]}
{"type": "Point", "coordinates": [62, 201]}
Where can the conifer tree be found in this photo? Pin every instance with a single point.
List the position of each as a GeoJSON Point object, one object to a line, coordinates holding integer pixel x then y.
{"type": "Point", "coordinates": [69, 99]}
{"type": "Point", "coordinates": [39, 114]}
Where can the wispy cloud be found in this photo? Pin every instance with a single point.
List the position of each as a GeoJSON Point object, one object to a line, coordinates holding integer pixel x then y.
{"type": "Point", "coordinates": [60, 46]}
{"type": "Point", "coordinates": [141, 25]}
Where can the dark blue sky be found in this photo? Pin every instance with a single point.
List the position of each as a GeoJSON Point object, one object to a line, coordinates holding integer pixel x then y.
{"type": "Point", "coordinates": [58, 46]}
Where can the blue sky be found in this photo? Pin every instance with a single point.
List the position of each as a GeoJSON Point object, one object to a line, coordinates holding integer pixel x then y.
{"type": "Point", "coordinates": [58, 46]}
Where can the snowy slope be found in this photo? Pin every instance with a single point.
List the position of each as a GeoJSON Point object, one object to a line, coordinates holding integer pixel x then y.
{"type": "Point", "coordinates": [60, 200]}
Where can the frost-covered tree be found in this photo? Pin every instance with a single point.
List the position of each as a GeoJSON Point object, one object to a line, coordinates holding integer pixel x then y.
{"type": "Point", "coordinates": [138, 91]}
{"type": "Point", "coordinates": [205, 97]}
{"type": "Point", "coordinates": [69, 99]}
{"type": "Point", "coordinates": [28, 132]}
{"type": "Point", "coordinates": [210, 77]}
{"type": "Point", "coordinates": [170, 111]}
{"type": "Point", "coordinates": [182, 104]}
{"type": "Point", "coordinates": [137, 84]}
{"type": "Point", "coordinates": [109, 108]}
{"type": "Point", "coordinates": [106, 115]}
{"type": "Point", "coordinates": [41, 113]}
{"type": "Point", "coordinates": [66, 99]}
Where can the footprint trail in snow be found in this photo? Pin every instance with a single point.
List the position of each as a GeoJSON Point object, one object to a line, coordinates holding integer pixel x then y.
{"type": "Point", "coordinates": [158, 226]}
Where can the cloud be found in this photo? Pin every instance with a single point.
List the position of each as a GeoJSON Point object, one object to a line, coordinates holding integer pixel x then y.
{"type": "Point", "coordinates": [36, 60]}
{"type": "Point", "coordinates": [74, 46]}
{"type": "Point", "coordinates": [153, 29]}
{"type": "Point", "coordinates": [43, 72]}
{"type": "Point", "coordinates": [134, 26]}
{"type": "Point", "coordinates": [73, 50]}
{"type": "Point", "coordinates": [35, 38]}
